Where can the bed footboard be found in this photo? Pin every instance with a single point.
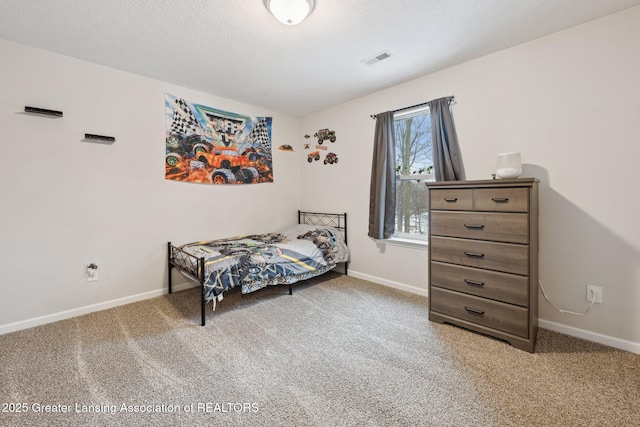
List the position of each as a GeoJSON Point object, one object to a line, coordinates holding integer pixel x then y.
{"type": "Point", "coordinates": [190, 266]}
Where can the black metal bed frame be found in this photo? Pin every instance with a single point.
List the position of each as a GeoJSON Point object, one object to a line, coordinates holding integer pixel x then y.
{"type": "Point", "coordinates": [193, 267]}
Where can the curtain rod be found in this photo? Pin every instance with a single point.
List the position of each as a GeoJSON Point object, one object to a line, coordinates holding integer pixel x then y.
{"type": "Point", "coordinates": [451, 100]}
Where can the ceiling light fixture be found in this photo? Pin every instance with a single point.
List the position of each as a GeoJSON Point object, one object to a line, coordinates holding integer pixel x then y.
{"type": "Point", "coordinates": [290, 12]}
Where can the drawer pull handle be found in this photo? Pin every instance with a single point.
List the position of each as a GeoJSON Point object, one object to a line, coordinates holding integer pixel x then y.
{"type": "Point", "coordinates": [451, 200]}
{"type": "Point", "coordinates": [474, 311]}
{"type": "Point", "coordinates": [500, 199]}
{"type": "Point", "coordinates": [474, 254]}
{"type": "Point", "coordinates": [474, 226]}
{"type": "Point", "coordinates": [473, 282]}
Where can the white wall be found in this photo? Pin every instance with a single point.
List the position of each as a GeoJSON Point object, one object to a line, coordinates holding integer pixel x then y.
{"type": "Point", "coordinates": [66, 203]}
{"type": "Point", "coordinates": [570, 103]}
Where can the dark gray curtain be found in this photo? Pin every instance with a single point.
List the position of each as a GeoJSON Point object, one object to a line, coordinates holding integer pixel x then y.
{"type": "Point", "coordinates": [447, 160]}
{"type": "Point", "coordinates": [382, 200]}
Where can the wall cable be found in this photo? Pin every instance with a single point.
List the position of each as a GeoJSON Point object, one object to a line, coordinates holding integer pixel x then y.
{"type": "Point", "coordinates": [593, 301]}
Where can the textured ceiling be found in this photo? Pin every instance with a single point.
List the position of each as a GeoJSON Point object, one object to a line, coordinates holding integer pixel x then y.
{"type": "Point", "coordinates": [236, 49]}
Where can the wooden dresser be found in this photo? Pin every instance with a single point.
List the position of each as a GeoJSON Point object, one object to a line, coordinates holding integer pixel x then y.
{"type": "Point", "coordinates": [483, 257]}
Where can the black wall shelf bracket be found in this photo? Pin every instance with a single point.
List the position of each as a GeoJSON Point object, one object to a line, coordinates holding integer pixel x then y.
{"type": "Point", "coordinates": [43, 111]}
{"type": "Point", "coordinates": [99, 138]}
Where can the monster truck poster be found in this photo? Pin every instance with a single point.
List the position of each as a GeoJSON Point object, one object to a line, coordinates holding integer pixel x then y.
{"type": "Point", "coordinates": [212, 146]}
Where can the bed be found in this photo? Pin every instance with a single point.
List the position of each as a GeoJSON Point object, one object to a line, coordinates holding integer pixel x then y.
{"type": "Point", "coordinates": [313, 246]}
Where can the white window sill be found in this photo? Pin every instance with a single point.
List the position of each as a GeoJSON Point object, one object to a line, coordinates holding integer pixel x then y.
{"type": "Point", "coordinates": [406, 243]}
{"type": "Point", "coordinates": [417, 177]}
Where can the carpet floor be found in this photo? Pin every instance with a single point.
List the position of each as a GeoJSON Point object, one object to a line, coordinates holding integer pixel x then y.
{"type": "Point", "coordinates": [339, 352]}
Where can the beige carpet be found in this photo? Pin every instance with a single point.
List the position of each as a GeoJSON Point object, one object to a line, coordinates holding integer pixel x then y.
{"type": "Point", "coordinates": [339, 352]}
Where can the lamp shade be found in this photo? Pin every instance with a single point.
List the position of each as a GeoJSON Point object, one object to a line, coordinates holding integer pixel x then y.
{"type": "Point", "coordinates": [509, 165]}
{"type": "Point", "coordinates": [290, 12]}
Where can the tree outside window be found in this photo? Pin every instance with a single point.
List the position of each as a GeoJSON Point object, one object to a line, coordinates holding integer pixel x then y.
{"type": "Point", "coordinates": [414, 165]}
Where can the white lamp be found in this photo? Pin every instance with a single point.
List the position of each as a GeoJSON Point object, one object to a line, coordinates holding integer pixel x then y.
{"type": "Point", "coordinates": [509, 165]}
{"type": "Point", "coordinates": [290, 12]}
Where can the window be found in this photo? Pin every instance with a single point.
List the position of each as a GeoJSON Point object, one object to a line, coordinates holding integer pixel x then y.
{"type": "Point", "coordinates": [414, 166]}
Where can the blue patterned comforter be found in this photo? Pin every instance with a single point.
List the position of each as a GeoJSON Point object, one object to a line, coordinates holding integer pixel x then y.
{"type": "Point", "coordinates": [253, 262]}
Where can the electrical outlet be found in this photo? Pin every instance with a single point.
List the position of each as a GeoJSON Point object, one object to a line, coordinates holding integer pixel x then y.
{"type": "Point", "coordinates": [92, 272]}
{"type": "Point", "coordinates": [594, 292]}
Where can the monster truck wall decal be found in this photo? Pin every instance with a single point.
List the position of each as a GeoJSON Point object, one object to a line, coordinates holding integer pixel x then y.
{"type": "Point", "coordinates": [211, 146]}
{"type": "Point", "coordinates": [322, 135]}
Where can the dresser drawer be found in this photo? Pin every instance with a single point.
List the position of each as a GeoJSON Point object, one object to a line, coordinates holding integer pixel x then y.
{"type": "Point", "coordinates": [497, 227]}
{"type": "Point", "coordinates": [451, 199]}
{"type": "Point", "coordinates": [497, 286]}
{"type": "Point", "coordinates": [506, 257]}
{"type": "Point", "coordinates": [503, 317]}
{"type": "Point", "coordinates": [501, 199]}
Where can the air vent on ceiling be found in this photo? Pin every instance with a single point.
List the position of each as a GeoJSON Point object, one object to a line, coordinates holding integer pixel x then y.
{"type": "Point", "coordinates": [377, 58]}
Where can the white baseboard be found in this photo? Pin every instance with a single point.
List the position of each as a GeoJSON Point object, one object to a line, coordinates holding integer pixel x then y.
{"type": "Point", "coordinates": [618, 343]}
{"type": "Point", "coordinates": [389, 283]}
{"type": "Point", "coordinates": [552, 326]}
{"type": "Point", "coordinates": [50, 318]}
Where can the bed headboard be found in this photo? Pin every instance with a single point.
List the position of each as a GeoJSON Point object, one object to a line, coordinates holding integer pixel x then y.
{"type": "Point", "coordinates": [338, 221]}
